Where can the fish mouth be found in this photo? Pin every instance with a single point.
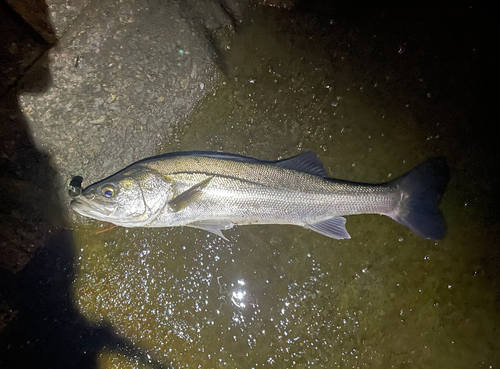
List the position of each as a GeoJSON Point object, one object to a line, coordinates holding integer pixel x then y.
{"type": "Point", "coordinates": [107, 212]}
{"type": "Point", "coordinates": [92, 209]}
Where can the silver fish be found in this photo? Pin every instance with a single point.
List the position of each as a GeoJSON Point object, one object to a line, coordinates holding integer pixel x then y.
{"type": "Point", "coordinates": [216, 191]}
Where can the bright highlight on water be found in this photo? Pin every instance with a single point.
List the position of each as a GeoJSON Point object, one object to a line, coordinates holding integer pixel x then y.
{"type": "Point", "coordinates": [217, 191]}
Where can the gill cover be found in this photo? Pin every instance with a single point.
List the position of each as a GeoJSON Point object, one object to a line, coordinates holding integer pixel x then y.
{"type": "Point", "coordinates": [132, 197]}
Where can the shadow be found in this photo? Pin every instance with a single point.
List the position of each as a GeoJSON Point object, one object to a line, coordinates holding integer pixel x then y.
{"type": "Point", "coordinates": [47, 331]}
{"type": "Point", "coordinates": [39, 324]}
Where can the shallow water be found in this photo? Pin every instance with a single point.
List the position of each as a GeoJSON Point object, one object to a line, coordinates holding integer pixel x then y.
{"type": "Point", "coordinates": [283, 296]}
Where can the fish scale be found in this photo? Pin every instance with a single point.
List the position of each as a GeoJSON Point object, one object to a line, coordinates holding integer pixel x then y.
{"type": "Point", "coordinates": [277, 186]}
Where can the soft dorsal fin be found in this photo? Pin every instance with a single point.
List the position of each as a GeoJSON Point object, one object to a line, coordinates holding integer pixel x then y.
{"type": "Point", "coordinates": [307, 162]}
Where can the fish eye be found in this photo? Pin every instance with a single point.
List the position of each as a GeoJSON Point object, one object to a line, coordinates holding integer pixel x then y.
{"type": "Point", "coordinates": [108, 191]}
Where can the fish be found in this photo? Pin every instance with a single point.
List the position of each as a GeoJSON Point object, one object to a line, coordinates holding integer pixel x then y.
{"type": "Point", "coordinates": [216, 191]}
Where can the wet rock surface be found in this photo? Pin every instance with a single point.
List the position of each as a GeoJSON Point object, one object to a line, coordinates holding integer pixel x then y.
{"type": "Point", "coordinates": [373, 90]}
{"type": "Point", "coordinates": [122, 77]}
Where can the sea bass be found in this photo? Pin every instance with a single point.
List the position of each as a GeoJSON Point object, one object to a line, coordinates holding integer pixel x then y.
{"type": "Point", "coordinates": [217, 191]}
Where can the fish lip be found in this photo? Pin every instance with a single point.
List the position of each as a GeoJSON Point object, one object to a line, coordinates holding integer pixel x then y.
{"type": "Point", "coordinates": [86, 207]}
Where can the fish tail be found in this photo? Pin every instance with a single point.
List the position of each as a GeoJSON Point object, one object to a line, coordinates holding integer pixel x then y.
{"type": "Point", "coordinates": [421, 191]}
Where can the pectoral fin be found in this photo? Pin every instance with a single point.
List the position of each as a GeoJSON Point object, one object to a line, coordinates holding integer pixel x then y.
{"type": "Point", "coordinates": [213, 226]}
{"type": "Point", "coordinates": [333, 227]}
{"type": "Point", "coordinates": [187, 197]}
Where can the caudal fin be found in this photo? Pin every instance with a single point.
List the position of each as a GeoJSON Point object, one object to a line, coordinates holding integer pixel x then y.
{"type": "Point", "coordinates": [421, 190]}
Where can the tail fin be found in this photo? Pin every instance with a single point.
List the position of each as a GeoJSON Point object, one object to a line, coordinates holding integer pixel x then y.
{"type": "Point", "coordinates": [421, 191]}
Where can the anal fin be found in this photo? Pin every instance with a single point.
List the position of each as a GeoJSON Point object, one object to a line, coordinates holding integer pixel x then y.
{"type": "Point", "coordinates": [333, 228]}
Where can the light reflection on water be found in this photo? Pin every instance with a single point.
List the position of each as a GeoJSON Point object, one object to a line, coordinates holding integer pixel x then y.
{"type": "Point", "coordinates": [239, 294]}
{"type": "Point", "coordinates": [283, 295]}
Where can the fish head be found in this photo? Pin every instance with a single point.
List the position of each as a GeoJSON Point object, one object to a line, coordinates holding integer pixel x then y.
{"type": "Point", "coordinates": [130, 198]}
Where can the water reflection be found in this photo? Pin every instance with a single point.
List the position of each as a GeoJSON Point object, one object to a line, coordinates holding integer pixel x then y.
{"type": "Point", "coordinates": [239, 296]}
